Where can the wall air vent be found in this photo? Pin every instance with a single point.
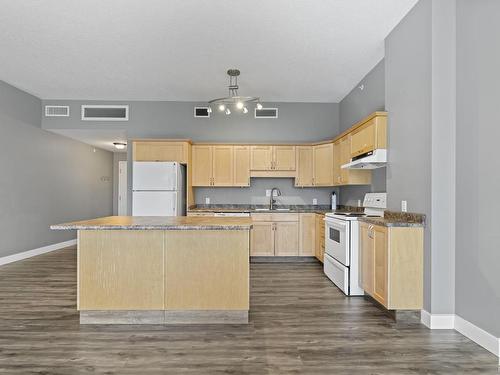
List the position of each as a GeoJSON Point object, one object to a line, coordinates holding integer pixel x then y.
{"type": "Point", "coordinates": [56, 111]}
{"type": "Point", "coordinates": [201, 112]}
{"type": "Point", "coordinates": [266, 113]}
{"type": "Point", "coordinates": [104, 112]}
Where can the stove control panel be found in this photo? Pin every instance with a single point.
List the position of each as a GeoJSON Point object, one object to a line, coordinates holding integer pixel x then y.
{"type": "Point", "coordinates": [375, 200]}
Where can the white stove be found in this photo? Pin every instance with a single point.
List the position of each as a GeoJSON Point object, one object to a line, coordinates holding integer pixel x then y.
{"type": "Point", "coordinates": [341, 262]}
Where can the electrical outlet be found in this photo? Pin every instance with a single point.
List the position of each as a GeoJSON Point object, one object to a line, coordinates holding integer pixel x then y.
{"type": "Point", "coordinates": [315, 201]}
{"type": "Point", "coordinates": [268, 192]}
{"type": "Point", "coordinates": [404, 206]}
{"type": "Point", "coordinates": [207, 200]}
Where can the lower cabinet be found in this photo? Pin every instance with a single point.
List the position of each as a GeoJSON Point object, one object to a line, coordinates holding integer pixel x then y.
{"type": "Point", "coordinates": [307, 234]}
{"type": "Point", "coordinates": [275, 235]}
{"type": "Point", "coordinates": [320, 237]}
{"type": "Point", "coordinates": [392, 265]}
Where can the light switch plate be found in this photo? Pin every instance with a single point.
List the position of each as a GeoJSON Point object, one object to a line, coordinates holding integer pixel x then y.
{"type": "Point", "coordinates": [404, 206]}
{"type": "Point", "coordinates": [207, 200]}
{"type": "Point", "coordinates": [315, 201]}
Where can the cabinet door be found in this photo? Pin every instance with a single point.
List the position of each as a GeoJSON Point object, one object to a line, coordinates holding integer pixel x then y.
{"type": "Point", "coordinates": [304, 176]}
{"type": "Point", "coordinates": [286, 238]}
{"type": "Point", "coordinates": [202, 165]}
{"type": "Point", "coordinates": [261, 158]}
{"type": "Point", "coordinates": [323, 164]}
{"type": "Point", "coordinates": [160, 151]}
{"type": "Point", "coordinates": [284, 158]}
{"type": "Point", "coordinates": [262, 239]}
{"type": "Point", "coordinates": [241, 166]}
{"type": "Point", "coordinates": [363, 139]}
{"type": "Point", "coordinates": [367, 258]}
{"type": "Point", "coordinates": [337, 177]}
{"type": "Point", "coordinates": [222, 165]}
{"type": "Point", "coordinates": [345, 157]}
{"type": "Point", "coordinates": [380, 264]}
{"type": "Point", "coordinates": [307, 235]}
{"type": "Point", "coordinates": [320, 238]}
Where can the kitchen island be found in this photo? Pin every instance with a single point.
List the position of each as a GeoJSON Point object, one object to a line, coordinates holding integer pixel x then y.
{"type": "Point", "coordinates": [162, 270]}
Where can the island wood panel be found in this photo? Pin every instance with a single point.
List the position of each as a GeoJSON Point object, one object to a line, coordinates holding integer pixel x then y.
{"type": "Point", "coordinates": [307, 234]}
{"type": "Point", "coordinates": [406, 268]}
{"type": "Point", "coordinates": [207, 270]}
{"type": "Point", "coordinates": [120, 270]}
{"type": "Point", "coordinates": [241, 166]}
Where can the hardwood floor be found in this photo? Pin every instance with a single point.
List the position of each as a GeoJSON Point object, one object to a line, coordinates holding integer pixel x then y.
{"type": "Point", "coordinates": [299, 324]}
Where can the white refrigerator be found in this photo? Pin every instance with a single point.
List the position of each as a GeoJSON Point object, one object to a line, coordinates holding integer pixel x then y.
{"type": "Point", "coordinates": [158, 189]}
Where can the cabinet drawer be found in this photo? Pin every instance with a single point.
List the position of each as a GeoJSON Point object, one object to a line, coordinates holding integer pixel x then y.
{"type": "Point", "coordinates": [275, 217]}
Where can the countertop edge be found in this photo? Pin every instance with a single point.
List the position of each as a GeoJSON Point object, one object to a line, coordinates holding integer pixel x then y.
{"type": "Point", "coordinates": [152, 227]}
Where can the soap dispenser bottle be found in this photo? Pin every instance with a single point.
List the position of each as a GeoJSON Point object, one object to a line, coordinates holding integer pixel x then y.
{"type": "Point", "coordinates": [334, 201]}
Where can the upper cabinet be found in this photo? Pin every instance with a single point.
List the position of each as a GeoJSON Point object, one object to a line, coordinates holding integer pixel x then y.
{"type": "Point", "coordinates": [304, 174]}
{"type": "Point", "coordinates": [371, 135]}
{"type": "Point", "coordinates": [213, 165]}
{"type": "Point", "coordinates": [272, 158]}
{"type": "Point", "coordinates": [161, 151]}
{"type": "Point", "coordinates": [323, 164]}
{"type": "Point", "coordinates": [241, 166]}
{"type": "Point", "coordinates": [342, 155]}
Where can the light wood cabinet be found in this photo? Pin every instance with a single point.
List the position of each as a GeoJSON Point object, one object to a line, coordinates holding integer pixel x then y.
{"type": "Point", "coordinates": [275, 234]}
{"type": "Point", "coordinates": [272, 158]}
{"type": "Point", "coordinates": [304, 174]}
{"type": "Point", "coordinates": [320, 237]}
{"type": "Point", "coordinates": [241, 166]}
{"type": "Point", "coordinates": [392, 265]}
{"type": "Point", "coordinates": [161, 151]}
{"type": "Point", "coordinates": [341, 156]}
{"type": "Point", "coordinates": [202, 165]}
{"type": "Point", "coordinates": [369, 136]}
{"type": "Point", "coordinates": [323, 164]}
{"type": "Point", "coordinates": [307, 234]}
{"type": "Point", "coordinates": [262, 239]}
{"type": "Point", "coordinates": [222, 165]}
{"type": "Point", "coordinates": [261, 158]}
{"type": "Point", "coordinates": [212, 165]}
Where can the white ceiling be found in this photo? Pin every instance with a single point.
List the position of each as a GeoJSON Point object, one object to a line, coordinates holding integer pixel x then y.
{"type": "Point", "coordinates": [179, 50]}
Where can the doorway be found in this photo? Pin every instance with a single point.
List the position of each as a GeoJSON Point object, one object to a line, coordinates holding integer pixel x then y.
{"type": "Point", "coordinates": [122, 188]}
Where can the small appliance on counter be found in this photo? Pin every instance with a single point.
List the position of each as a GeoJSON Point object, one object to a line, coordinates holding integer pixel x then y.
{"type": "Point", "coordinates": [334, 201]}
{"type": "Point", "coordinates": [158, 189]}
{"type": "Point", "coordinates": [342, 254]}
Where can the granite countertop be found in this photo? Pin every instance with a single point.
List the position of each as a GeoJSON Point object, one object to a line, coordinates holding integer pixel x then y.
{"type": "Point", "coordinates": [252, 208]}
{"type": "Point", "coordinates": [396, 219]}
{"type": "Point", "coordinates": [158, 223]}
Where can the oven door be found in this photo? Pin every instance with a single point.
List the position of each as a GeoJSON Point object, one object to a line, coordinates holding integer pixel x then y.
{"type": "Point", "coordinates": [337, 239]}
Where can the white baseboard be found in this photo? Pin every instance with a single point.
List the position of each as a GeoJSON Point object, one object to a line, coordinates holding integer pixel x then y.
{"type": "Point", "coordinates": [466, 328]}
{"type": "Point", "coordinates": [35, 252]}
{"type": "Point", "coordinates": [437, 321]}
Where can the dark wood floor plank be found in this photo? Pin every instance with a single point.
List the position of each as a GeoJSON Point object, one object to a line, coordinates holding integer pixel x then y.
{"type": "Point", "coordinates": [299, 324]}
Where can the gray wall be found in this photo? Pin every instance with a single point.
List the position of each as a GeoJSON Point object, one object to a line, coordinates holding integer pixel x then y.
{"type": "Point", "coordinates": [478, 177]}
{"type": "Point", "coordinates": [356, 105]}
{"type": "Point", "coordinates": [117, 156]}
{"type": "Point", "coordinates": [46, 178]}
{"type": "Point", "coordinates": [297, 122]}
{"type": "Point", "coordinates": [408, 101]}
{"type": "Point", "coordinates": [256, 193]}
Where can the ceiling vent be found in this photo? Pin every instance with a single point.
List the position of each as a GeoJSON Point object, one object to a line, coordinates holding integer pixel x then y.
{"type": "Point", "coordinates": [104, 112]}
{"type": "Point", "coordinates": [56, 111]}
{"type": "Point", "coordinates": [266, 113]}
{"type": "Point", "coordinates": [202, 112]}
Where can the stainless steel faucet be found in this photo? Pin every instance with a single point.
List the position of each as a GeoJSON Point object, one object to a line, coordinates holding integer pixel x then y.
{"type": "Point", "coordinates": [272, 201]}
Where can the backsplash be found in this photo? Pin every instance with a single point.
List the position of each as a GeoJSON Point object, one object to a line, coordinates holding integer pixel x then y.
{"type": "Point", "coordinates": [256, 193]}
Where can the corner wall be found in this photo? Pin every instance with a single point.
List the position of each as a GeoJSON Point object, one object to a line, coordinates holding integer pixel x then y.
{"type": "Point", "coordinates": [46, 178]}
